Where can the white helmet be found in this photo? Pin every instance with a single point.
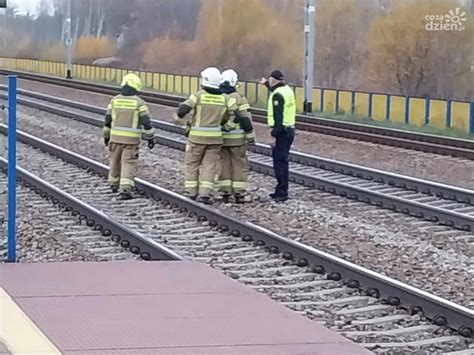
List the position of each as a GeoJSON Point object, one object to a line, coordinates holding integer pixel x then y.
{"type": "Point", "coordinates": [211, 77]}
{"type": "Point", "coordinates": [230, 76]}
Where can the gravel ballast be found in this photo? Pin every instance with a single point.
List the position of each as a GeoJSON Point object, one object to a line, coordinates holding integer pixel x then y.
{"type": "Point", "coordinates": [434, 258]}
{"type": "Point", "coordinates": [443, 169]}
{"type": "Point", "coordinates": [47, 234]}
{"type": "Point", "coordinates": [369, 321]}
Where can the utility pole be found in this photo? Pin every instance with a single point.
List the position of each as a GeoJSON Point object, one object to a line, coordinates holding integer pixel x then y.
{"type": "Point", "coordinates": [5, 31]}
{"type": "Point", "coordinates": [3, 5]}
{"type": "Point", "coordinates": [68, 40]}
{"type": "Point", "coordinates": [308, 74]}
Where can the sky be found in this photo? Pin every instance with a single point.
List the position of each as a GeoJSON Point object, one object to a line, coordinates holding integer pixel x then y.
{"type": "Point", "coordinates": [25, 6]}
{"type": "Point", "coordinates": [30, 5]}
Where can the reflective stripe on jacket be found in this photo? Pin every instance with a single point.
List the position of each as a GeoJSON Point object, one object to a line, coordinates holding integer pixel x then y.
{"type": "Point", "coordinates": [237, 137]}
{"type": "Point", "coordinates": [126, 126]}
{"type": "Point", "coordinates": [209, 111]}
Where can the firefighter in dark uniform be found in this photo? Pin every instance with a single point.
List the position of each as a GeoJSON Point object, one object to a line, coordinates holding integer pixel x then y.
{"type": "Point", "coordinates": [281, 118]}
{"type": "Point", "coordinates": [126, 114]}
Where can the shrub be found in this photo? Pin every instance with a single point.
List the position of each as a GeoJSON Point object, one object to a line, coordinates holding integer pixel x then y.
{"type": "Point", "coordinates": [89, 48]}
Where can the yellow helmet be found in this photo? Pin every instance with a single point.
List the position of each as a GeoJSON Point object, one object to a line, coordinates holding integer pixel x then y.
{"type": "Point", "coordinates": [132, 80]}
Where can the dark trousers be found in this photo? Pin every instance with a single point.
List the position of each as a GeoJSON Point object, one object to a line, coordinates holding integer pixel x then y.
{"type": "Point", "coordinates": [280, 154]}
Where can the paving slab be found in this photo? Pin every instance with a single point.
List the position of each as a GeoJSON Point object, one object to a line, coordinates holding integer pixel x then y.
{"type": "Point", "coordinates": [3, 349]}
{"type": "Point", "coordinates": [159, 308]}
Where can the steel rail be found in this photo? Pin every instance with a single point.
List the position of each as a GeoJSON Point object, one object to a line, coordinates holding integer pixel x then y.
{"type": "Point", "coordinates": [440, 311]}
{"type": "Point", "coordinates": [96, 219]}
{"type": "Point", "coordinates": [397, 180]}
{"type": "Point", "coordinates": [380, 135]}
{"type": "Point", "coordinates": [431, 213]}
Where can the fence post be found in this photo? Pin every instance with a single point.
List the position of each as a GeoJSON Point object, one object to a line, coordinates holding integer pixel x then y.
{"type": "Point", "coordinates": [471, 117]}
{"type": "Point", "coordinates": [427, 111]}
{"type": "Point", "coordinates": [448, 114]}
{"type": "Point", "coordinates": [11, 168]}
{"type": "Point", "coordinates": [387, 107]}
{"type": "Point", "coordinates": [407, 110]}
{"type": "Point", "coordinates": [371, 105]}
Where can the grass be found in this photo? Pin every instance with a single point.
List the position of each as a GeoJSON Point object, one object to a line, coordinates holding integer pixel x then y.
{"type": "Point", "coordinates": [447, 132]}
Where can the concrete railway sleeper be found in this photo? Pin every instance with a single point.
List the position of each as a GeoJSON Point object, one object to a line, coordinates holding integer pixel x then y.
{"type": "Point", "coordinates": [431, 201]}
{"type": "Point", "coordinates": [435, 258]}
{"type": "Point", "coordinates": [305, 279]}
{"type": "Point", "coordinates": [77, 224]}
{"type": "Point", "coordinates": [379, 135]}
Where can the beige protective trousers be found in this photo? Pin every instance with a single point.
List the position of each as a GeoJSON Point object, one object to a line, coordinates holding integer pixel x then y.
{"type": "Point", "coordinates": [201, 168]}
{"type": "Point", "coordinates": [123, 163]}
{"type": "Point", "coordinates": [234, 170]}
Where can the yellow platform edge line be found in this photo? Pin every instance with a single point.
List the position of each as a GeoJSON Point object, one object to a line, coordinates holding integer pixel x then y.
{"type": "Point", "coordinates": [19, 334]}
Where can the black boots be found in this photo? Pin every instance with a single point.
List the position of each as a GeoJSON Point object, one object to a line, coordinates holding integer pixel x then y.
{"type": "Point", "coordinates": [205, 200]}
{"type": "Point", "coordinates": [243, 198]}
{"type": "Point", "coordinates": [226, 198]}
{"type": "Point", "coordinates": [125, 195]}
{"type": "Point", "coordinates": [277, 198]}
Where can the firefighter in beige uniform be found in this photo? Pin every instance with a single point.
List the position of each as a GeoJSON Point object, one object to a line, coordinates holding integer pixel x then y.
{"type": "Point", "coordinates": [234, 164]}
{"type": "Point", "coordinates": [205, 133]}
{"type": "Point", "coordinates": [125, 115]}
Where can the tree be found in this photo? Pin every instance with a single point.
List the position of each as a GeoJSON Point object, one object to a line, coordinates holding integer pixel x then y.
{"type": "Point", "coordinates": [170, 55]}
{"type": "Point", "coordinates": [249, 35]}
{"type": "Point", "coordinates": [90, 48]}
{"type": "Point", "coordinates": [407, 58]}
{"type": "Point", "coordinates": [339, 33]}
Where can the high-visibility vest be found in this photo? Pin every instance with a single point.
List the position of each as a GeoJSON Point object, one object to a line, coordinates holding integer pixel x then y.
{"type": "Point", "coordinates": [208, 115]}
{"type": "Point", "coordinates": [237, 136]}
{"type": "Point", "coordinates": [289, 110]}
{"type": "Point", "coordinates": [125, 112]}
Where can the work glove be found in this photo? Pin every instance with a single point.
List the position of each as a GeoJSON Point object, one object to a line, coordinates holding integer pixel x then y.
{"type": "Point", "coordinates": [176, 119]}
{"type": "Point", "coordinates": [106, 141]}
{"type": "Point", "coordinates": [151, 143]}
{"type": "Point", "coordinates": [229, 126]}
{"type": "Point", "coordinates": [251, 142]}
{"type": "Point", "coordinates": [276, 132]}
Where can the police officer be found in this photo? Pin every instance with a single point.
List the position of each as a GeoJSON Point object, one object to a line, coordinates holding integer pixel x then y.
{"type": "Point", "coordinates": [233, 157]}
{"type": "Point", "coordinates": [205, 134]}
{"type": "Point", "coordinates": [281, 118]}
{"type": "Point", "coordinates": [125, 115]}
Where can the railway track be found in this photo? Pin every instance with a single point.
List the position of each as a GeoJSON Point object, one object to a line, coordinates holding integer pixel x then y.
{"type": "Point", "coordinates": [435, 202]}
{"type": "Point", "coordinates": [462, 148]}
{"type": "Point", "coordinates": [378, 312]}
{"type": "Point", "coordinates": [78, 224]}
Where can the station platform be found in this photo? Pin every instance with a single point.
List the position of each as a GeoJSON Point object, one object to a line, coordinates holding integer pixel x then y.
{"type": "Point", "coordinates": [148, 308]}
{"type": "Point", "coordinates": [3, 349]}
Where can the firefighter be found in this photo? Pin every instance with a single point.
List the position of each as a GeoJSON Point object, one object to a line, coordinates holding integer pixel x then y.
{"type": "Point", "coordinates": [125, 115]}
{"type": "Point", "coordinates": [233, 157]}
{"type": "Point", "coordinates": [205, 133]}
